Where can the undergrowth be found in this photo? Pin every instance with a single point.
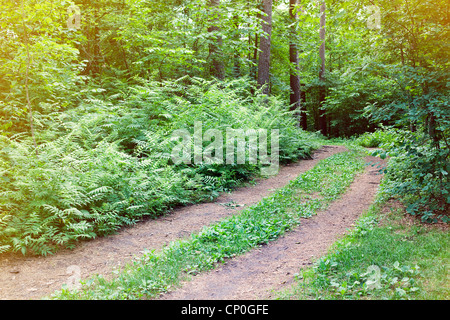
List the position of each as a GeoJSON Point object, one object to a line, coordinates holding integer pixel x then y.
{"type": "Point", "coordinates": [418, 170]}
{"type": "Point", "coordinates": [107, 163]}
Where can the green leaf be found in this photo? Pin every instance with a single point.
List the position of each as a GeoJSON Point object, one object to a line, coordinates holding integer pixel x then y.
{"type": "Point", "coordinates": [400, 291]}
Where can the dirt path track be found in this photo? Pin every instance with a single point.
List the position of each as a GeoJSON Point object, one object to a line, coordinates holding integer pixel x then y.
{"type": "Point", "coordinates": [34, 277]}
{"type": "Point", "coordinates": [272, 267]}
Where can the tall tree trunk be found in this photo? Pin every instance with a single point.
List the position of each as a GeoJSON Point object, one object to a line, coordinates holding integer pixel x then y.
{"type": "Point", "coordinates": [252, 43]}
{"type": "Point", "coordinates": [322, 89]}
{"type": "Point", "coordinates": [237, 63]}
{"type": "Point", "coordinates": [27, 91]}
{"type": "Point", "coordinates": [294, 79]}
{"type": "Point", "coordinates": [254, 72]}
{"type": "Point", "coordinates": [96, 36]}
{"type": "Point", "coordinates": [217, 67]}
{"type": "Point", "coordinates": [265, 42]}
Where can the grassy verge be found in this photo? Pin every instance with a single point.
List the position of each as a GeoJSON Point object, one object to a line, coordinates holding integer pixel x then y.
{"type": "Point", "coordinates": [382, 258]}
{"type": "Point", "coordinates": [158, 272]}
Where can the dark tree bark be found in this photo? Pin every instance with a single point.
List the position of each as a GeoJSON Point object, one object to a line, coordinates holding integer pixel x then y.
{"type": "Point", "coordinates": [254, 71]}
{"type": "Point", "coordinates": [217, 66]}
{"type": "Point", "coordinates": [322, 89]}
{"type": "Point", "coordinates": [265, 43]}
{"type": "Point", "coordinates": [295, 97]}
{"type": "Point", "coordinates": [27, 91]}
{"type": "Point", "coordinates": [294, 79]}
{"type": "Point", "coordinates": [252, 43]}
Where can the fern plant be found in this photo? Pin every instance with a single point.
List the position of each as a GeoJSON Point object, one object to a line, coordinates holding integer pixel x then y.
{"type": "Point", "coordinates": [107, 163]}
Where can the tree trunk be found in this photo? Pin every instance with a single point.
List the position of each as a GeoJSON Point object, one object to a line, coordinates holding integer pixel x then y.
{"type": "Point", "coordinates": [27, 91]}
{"type": "Point", "coordinates": [217, 67]}
{"type": "Point", "coordinates": [265, 42]}
{"type": "Point", "coordinates": [252, 43]}
{"type": "Point", "coordinates": [322, 89]}
{"type": "Point", "coordinates": [237, 64]}
{"type": "Point", "coordinates": [294, 78]}
{"type": "Point", "coordinates": [254, 72]}
{"type": "Point", "coordinates": [303, 116]}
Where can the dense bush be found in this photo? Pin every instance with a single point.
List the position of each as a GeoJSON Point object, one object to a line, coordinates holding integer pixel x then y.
{"type": "Point", "coordinates": [420, 165]}
{"type": "Point", "coordinates": [417, 172]}
{"type": "Point", "coordinates": [419, 175]}
{"type": "Point", "coordinates": [384, 136]}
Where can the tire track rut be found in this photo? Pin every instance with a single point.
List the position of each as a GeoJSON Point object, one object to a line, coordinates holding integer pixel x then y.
{"type": "Point", "coordinates": [257, 273]}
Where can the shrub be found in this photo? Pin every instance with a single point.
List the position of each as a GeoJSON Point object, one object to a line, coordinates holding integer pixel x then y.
{"type": "Point", "coordinates": [419, 175]}
{"type": "Point", "coordinates": [420, 165]}
{"type": "Point", "coordinates": [383, 136]}
{"type": "Point", "coordinates": [107, 163]}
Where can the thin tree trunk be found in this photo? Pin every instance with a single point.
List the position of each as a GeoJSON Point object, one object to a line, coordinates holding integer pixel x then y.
{"type": "Point", "coordinates": [303, 115]}
{"type": "Point", "coordinates": [432, 132]}
{"type": "Point", "coordinates": [253, 72]}
{"type": "Point", "coordinates": [255, 59]}
{"type": "Point", "coordinates": [294, 78]}
{"type": "Point", "coordinates": [322, 94]}
{"type": "Point", "coordinates": [27, 91]}
{"type": "Point", "coordinates": [265, 43]}
{"type": "Point", "coordinates": [250, 40]}
{"type": "Point", "coordinates": [237, 64]}
{"type": "Point", "coordinates": [217, 66]}
{"type": "Point", "coordinates": [94, 45]}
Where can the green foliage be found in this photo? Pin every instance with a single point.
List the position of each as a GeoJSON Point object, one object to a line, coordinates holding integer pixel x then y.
{"type": "Point", "coordinates": [70, 193]}
{"type": "Point", "coordinates": [419, 176]}
{"type": "Point", "coordinates": [107, 163]}
{"type": "Point", "coordinates": [386, 136]}
{"type": "Point", "coordinates": [397, 283]}
{"type": "Point", "coordinates": [415, 44]}
{"type": "Point", "coordinates": [105, 98]}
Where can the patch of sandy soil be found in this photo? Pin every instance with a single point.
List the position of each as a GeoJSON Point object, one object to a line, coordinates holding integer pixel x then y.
{"type": "Point", "coordinates": [407, 220]}
{"type": "Point", "coordinates": [260, 272]}
{"type": "Point", "coordinates": [23, 278]}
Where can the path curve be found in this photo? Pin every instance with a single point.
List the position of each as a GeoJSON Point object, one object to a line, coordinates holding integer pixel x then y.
{"type": "Point", "coordinates": [259, 272]}
{"type": "Point", "coordinates": [24, 278]}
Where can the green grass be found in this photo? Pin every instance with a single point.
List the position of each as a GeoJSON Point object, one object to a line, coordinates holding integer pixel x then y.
{"type": "Point", "coordinates": [160, 271]}
{"type": "Point", "coordinates": [388, 260]}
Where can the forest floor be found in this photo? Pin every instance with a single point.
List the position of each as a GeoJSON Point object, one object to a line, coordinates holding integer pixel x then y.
{"type": "Point", "coordinates": [253, 275]}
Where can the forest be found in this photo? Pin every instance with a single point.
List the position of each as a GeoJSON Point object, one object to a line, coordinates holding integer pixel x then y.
{"type": "Point", "coordinates": [91, 93]}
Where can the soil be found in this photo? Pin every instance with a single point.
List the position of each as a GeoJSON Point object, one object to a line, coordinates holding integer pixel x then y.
{"type": "Point", "coordinates": [29, 277]}
{"type": "Point", "coordinates": [270, 268]}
